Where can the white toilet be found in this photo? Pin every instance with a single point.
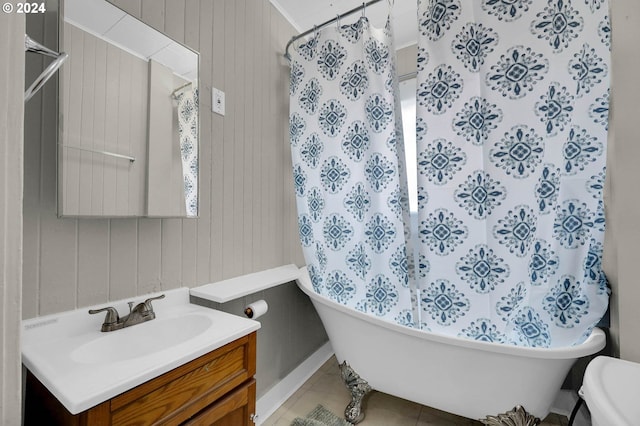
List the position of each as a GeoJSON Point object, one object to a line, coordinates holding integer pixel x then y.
{"type": "Point", "coordinates": [611, 389]}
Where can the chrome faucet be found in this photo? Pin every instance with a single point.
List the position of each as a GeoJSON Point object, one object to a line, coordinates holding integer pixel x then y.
{"type": "Point", "coordinates": [142, 312]}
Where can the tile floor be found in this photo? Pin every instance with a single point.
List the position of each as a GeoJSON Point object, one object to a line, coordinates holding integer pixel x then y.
{"type": "Point", "coordinates": [325, 387]}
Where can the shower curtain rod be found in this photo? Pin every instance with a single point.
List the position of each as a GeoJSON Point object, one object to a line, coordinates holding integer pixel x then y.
{"type": "Point", "coordinates": [174, 93]}
{"type": "Point", "coordinates": [324, 24]}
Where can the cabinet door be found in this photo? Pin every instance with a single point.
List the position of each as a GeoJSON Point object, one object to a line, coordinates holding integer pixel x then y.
{"type": "Point", "coordinates": [235, 409]}
{"type": "Point", "coordinates": [178, 395]}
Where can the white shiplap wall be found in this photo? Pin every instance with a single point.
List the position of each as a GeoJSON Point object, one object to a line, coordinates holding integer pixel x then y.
{"type": "Point", "coordinates": [104, 95]}
{"type": "Point", "coordinates": [247, 214]}
{"type": "Point", "coordinates": [11, 134]}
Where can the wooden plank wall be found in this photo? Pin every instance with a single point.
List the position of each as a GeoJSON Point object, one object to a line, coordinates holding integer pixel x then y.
{"type": "Point", "coordinates": [165, 183]}
{"type": "Point", "coordinates": [623, 175]}
{"type": "Point", "coordinates": [104, 107]}
{"type": "Point", "coordinates": [247, 214]}
{"type": "Point", "coordinates": [12, 83]}
{"type": "Point", "coordinates": [406, 59]}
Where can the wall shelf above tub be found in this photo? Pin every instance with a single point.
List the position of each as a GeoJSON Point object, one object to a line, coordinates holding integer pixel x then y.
{"type": "Point", "coordinates": [235, 288]}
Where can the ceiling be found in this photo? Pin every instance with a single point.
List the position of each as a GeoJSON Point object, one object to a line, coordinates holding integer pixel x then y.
{"type": "Point", "coordinates": [109, 23]}
{"type": "Point", "coordinates": [304, 14]}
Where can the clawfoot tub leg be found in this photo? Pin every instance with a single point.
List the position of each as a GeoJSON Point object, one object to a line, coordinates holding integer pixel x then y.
{"type": "Point", "coordinates": [359, 388]}
{"type": "Point", "coordinates": [516, 417]}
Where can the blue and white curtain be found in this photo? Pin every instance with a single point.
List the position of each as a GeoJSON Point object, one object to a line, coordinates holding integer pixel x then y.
{"type": "Point", "coordinates": [348, 166]}
{"type": "Point", "coordinates": [512, 104]}
{"type": "Point", "coordinates": [188, 132]}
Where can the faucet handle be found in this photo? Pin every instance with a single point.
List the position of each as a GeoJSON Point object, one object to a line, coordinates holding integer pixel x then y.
{"type": "Point", "coordinates": [112, 316]}
{"type": "Point", "coordinates": [147, 303]}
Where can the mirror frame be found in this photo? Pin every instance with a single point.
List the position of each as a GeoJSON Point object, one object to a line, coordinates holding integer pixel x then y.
{"type": "Point", "coordinates": [61, 122]}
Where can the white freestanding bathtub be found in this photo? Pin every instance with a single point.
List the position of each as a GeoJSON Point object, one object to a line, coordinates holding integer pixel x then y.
{"type": "Point", "coordinates": [479, 380]}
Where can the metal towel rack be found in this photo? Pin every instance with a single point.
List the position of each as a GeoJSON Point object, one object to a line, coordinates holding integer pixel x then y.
{"type": "Point", "coordinates": [31, 45]}
{"type": "Point", "coordinates": [97, 151]}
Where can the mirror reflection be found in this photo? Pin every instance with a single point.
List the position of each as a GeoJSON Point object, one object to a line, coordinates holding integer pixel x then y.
{"type": "Point", "coordinates": [128, 117]}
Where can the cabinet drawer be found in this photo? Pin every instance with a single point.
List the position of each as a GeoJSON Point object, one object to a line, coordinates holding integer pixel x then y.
{"type": "Point", "coordinates": [234, 409]}
{"type": "Point", "coordinates": [185, 391]}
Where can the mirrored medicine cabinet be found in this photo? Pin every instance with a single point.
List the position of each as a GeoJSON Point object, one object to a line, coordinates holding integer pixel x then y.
{"type": "Point", "coordinates": [128, 117]}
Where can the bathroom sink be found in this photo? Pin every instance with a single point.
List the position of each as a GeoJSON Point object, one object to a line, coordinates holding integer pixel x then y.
{"type": "Point", "coordinates": [141, 340]}
{"type": "Point", "coordinates": [83, 366]}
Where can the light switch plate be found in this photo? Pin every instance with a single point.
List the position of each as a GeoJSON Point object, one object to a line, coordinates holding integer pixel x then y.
{"type": "Point", "coordinates": [217, 101]}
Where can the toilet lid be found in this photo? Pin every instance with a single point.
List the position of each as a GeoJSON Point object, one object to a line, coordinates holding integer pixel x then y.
{"type": "Point", "coordinates": [611, 389]}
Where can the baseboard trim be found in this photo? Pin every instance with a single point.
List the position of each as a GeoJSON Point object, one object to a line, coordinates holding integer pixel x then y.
{"type": "Point", "coordinates": [268, 403]}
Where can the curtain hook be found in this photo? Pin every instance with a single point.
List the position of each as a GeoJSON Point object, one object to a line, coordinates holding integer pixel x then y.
{"type": "Point", "coordinates": [338, 21]}
{"type": "Point", "coordinates": [315, 31]}
{"type": "Point", "coordinates": [364, 10]}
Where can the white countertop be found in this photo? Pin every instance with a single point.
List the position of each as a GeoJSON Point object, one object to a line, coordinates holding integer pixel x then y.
{"type": "Point", "coordinates": [60, 349]}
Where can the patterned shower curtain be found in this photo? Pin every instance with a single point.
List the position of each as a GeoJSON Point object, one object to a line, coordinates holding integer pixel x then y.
{"type": "Point", "coordinates": [512, 103]}
{"type": "Point", "coordinates": [188, 132]}
{"type": "Point", "coordinates": [348, 167]}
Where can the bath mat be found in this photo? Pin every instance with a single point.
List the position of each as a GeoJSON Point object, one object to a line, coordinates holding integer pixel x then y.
{"type": "Point", "coordinates": [320, 416]}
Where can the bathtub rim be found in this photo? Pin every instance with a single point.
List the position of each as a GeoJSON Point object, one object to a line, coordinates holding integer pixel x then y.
{"type": "Point", "coordinates": [594, 343]}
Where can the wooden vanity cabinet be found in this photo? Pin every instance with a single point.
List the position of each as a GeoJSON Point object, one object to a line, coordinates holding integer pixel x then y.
{"type": "Point", "coordinates": [217, 388]}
